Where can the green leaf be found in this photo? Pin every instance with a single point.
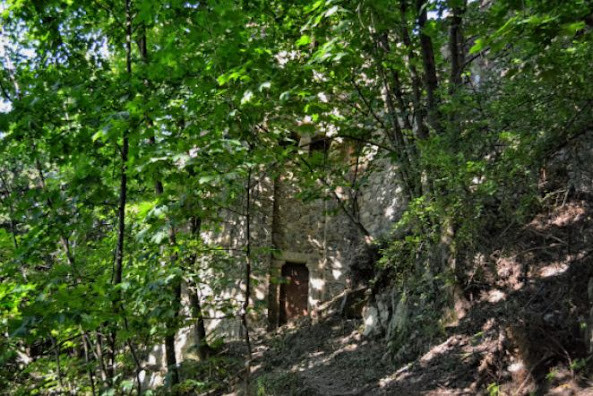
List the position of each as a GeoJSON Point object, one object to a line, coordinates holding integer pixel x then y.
{"type": "Point", "coordinates": [478, 46]}
{"type": "Point", "coordinates": [304, 40]}
{"type": "Point", "coordinates": [573, 28]}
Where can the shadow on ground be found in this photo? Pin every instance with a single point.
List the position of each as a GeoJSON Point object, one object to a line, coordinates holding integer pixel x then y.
{"type": "Point", "coordinates": [526, 330]}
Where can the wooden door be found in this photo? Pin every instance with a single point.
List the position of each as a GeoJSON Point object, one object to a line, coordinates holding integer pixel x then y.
{"type": "Point", "coordinates": [294, 294]}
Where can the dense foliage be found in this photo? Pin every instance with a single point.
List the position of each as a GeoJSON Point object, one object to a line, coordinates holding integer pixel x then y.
{"type": "Point", "coordinates": [127, 126]}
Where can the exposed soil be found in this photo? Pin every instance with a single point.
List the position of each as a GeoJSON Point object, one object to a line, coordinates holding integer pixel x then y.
{"type": "Point", "coordinates": [525, 331]}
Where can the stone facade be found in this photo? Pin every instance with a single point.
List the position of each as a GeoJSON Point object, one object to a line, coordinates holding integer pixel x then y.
{"type": "Point", "coordinates": [316, 234]}
{"type": "Point", "coordinates": [286, 229]}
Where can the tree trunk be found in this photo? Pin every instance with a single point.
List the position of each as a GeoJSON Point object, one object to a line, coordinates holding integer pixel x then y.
{"type": "Point", "coordinates": [456, 50]}
{"type": "Point", "coordinates": [123, 191]}
{"type": "Point", "coordinates": [247, 280]}
{"type": "Point", "coordinates": [204, 350]}
{"type": "Point", "coordinates": [86, 345]}
{"type": "Point", "coordinates": [422, 132]}
{"type": "Point", "coordinates": [430, 73]}
{"type": "Point", "coordinates": [172, 324]}
{"type": "Point", "coordinates": [56, 348]}
{"type": "Point", "coordinates": [105, 375]}
{"type": "Point", "coordinates": [457, 54]}
{"type": "Point", "coordinates": [397, 139]}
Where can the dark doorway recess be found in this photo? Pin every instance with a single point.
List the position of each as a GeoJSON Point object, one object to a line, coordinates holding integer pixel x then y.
{"type": "Point", "coordinates": [294, 293]}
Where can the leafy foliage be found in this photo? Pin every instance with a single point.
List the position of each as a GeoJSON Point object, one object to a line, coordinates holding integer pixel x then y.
{"type": "Point", "coordinates": [206, 94]}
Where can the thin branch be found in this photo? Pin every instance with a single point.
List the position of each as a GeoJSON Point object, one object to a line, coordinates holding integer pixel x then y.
{"type": "Point", "coordinates": [368, 105]}
{"type": "Point", "coordinates": [474, 57]}
{"type": "Point", "coordinates": [5, 92]}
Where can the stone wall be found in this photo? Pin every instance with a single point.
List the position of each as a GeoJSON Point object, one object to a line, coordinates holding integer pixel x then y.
{"type": "Point", "coordinates": [317, 234]}
{"type": "Point", "coordinates": [382, 201]}
{"type": "Point", "coordinates": [286, 229]}
{"type": "Point", "coordinates": [233, 237]}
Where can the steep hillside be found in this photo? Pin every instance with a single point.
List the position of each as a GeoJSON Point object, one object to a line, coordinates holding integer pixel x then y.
{"type": "Point", "coordinates": [525, 329]}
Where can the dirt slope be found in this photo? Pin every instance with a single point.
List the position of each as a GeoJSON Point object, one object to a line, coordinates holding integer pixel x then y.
{"type": "Point", "coordinates": [525, 332]}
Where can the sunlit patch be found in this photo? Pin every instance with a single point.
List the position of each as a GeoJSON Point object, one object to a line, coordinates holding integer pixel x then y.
{"type": "Point", "coordinates": [337, 274]}
{"type": "Point", "coordinates": [155, 357]}
{"type": "Point", "coordinates": [313, 302]}
{"type": "Point", "coordinates": [489, 324]}
{"type": "Point", "coordinates": [553, 270]}
{"type": "Point", "coordinates": [389, 212]}
{"type": "Point", "coordinates": [439, 349]}
{"type": "Point", "coordinates": [399, 375]}
{"type": "Point", "coordinates": [494, 296]}
{"type": "Point", "coordinates": [561, 217]}
{"type": "Point", "coordinates": [315, 242]}
{"type": "Point", "coordinates": [5, 107]}
{"type": "Point", "coordinates": [150, 379]}
{"type": "Point", "coordinates": [259, 294]}
{"type": "Point", "coordinates": [516, 367]}
{"type": "Point", "coordinates": [317, 283]}
{"type": "Point", "coordinates": [370, 320]}
{"type": "Point", "coordinates": [283, 57]}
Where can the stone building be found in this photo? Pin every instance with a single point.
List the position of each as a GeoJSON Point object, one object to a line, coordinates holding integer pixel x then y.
{"type": "Point", "coordinates": [304, 253]}
{"type": "Point", "coordinates": [314, 244]}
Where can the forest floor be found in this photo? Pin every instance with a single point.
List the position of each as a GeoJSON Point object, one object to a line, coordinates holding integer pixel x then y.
{"type": "Point", "coordinates": [524, 331]}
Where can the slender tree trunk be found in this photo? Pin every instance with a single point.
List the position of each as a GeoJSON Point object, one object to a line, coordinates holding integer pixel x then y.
{"type": "Point", "coordinates": [247, 280]}
{"type": "Point", "coordinates": [56, 348]}
{"type": "Point", "coordinates": [399, 96]}
{"type": "Point", "coordinates": [172, 324]}
{"type": "Point", "coordinates": [422, 131]}
{"type": "Point", "coordinates": [398, 140]}
{"type": "Point", "coordinates": [204, 350]}
{"type": "Point", "coordinates": [273, 287]}
{"type": "Point", "coordinates": [428, 60]}
{"type": "Point", "coordinates": [123, 187]}
{"type": "Point", "coordinates": [172, 368]}
{"type": "Point", "coordinates": [123, 191]}
{"type": "Point", "coordinates": [101, 359]}
{"type": "Point", "coordinates": [134, 355]}
{"type": "Point", "coordinates": [176, 288]}
{"type": "Point", "coordinates": [457, 59]}
{"type": "Point", "coordinates": [456, 50]}
{"type": "Point", "coordinates": [87, 346]}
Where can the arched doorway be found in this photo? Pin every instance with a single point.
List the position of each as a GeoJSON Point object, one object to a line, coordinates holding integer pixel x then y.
{"type": "Point", "coordinates": [294, 292]}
